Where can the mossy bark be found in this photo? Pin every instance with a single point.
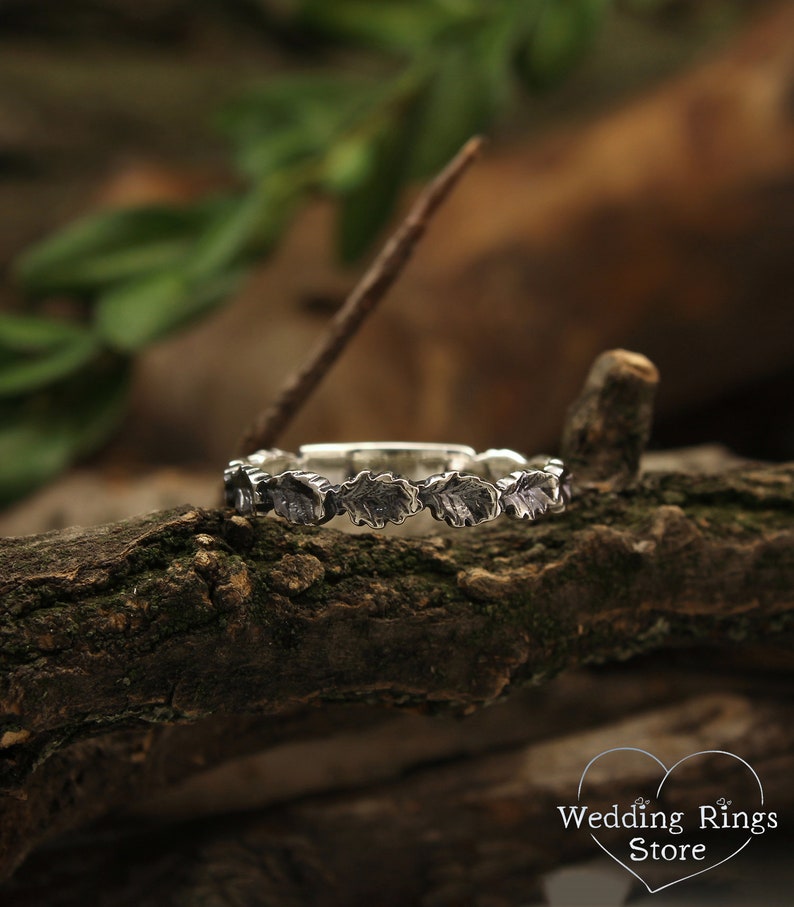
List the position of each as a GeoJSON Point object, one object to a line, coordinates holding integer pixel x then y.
{"type": "Point", "coordinates": [180, 616]}
{"type": "Point", "coordinates": [124, 646]}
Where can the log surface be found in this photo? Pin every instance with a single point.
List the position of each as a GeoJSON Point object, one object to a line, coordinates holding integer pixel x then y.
{"type": "Point", "coordinates": [133, 654]}
{"type": "Point", "coordinates": [181, 615]}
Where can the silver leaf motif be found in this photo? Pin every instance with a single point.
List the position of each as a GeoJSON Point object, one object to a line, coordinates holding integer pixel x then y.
{"type": "Point", "coordinates": [242, 482]}
{"type": "Point", "coordinates": [374, 499]}
{"type": "Point", "coordinates": [460, 500]}
{"type": "Point", "coordinates": [301, 497]}
{"type": "Point", "coordinates": [272, 480]}
{"type": "Point", "coordinates": [528, 494]}
{"type": "Point", "coordinates": [557, 468]}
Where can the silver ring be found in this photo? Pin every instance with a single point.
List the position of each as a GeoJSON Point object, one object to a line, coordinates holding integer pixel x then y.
{"type": "Point", "coordinates": [386, 482]}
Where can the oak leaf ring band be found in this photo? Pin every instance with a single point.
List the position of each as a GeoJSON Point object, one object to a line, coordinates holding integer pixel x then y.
{"type": "Point", "coordinates": [377, 483]}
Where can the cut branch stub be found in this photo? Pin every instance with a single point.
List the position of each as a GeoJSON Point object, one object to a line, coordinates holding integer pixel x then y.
{"type": "Point", "coordinates": [608, 426]}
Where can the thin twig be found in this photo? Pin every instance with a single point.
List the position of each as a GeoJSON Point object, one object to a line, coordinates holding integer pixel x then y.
{"type": "Point", "coordinates": [369, 291]}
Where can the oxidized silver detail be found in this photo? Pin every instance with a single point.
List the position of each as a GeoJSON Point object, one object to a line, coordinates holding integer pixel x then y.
{"type": "Point", "coordinates": [557, 468]}
{"type": "Point", "coordinates": [301, 497]}
{"type": "Point", "coordinates": [460, 500]}
{"type": "Point", "coordinates": [242, 481]}
{"type": "Point", "coordinates": [467, 489]}
{"type": "Point", "coordinates": [528, 494]}
{"type": "Point", "coordinates": [374, 499]}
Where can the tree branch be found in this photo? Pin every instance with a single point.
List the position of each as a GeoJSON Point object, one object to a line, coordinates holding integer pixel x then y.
{"type": "Point", "coordinates": [369, 291]}
{"type": "Point", "coordinates": [117, 626]}
{"type": "Point", "coordinates": [456, 832]}
{"type": "Point", "coordinates": [180, 616]}
{"type": "Point", "coordinates": [608, 426]}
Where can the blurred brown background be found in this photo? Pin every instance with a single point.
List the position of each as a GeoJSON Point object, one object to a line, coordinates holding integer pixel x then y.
{"type": "Point", "coordinates": [645, 203]}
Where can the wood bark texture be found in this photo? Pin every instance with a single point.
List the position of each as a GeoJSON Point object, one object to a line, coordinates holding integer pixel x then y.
{"type": "Point", "coordinates": [132, 653]}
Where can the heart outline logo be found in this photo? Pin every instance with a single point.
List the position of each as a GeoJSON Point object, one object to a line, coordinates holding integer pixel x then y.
{"type": "Point", "coordinates": [667, 773]}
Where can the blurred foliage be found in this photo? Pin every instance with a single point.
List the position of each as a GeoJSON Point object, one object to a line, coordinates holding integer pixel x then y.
{"type": "Point", "coordinates": [421, 76]}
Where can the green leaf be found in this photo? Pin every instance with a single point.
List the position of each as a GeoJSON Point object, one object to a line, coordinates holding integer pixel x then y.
{"type": "Point", "coordinates": [141, 312]}
{"type": "Point", "coordinates": [260, 156]}
{"type": "Point", "coordinates": [296, 119]}
{"type": "Point", "coordinates": [108, 247]}
{"type": "Point", "coordinates": [367, 206]}
{"type": "Point", "coordinates": [28, 333]}
{"type": "Point", "coordinates": [247, 225]}
{"type": "Point", "coordinates": [42, 435]}
{"type": "Point", "coordinates": [22, 375]}
{"type": "Point", "coordinates": [347, 164]}
{"type": "Point", "coordinates": [461, 98]}
{"type": "Point", "coordinates": [396, 25]}
{"type": "Point", "coordinates": [287, 99]}
{"type": "Point", "coordinates": [305, 104]}
{"type": "Point", "coordinates": [31, 453]}
{"type": "Point", "coordinates": [646, 7]}
{"type": "Point", "coordinates": [563, 30]}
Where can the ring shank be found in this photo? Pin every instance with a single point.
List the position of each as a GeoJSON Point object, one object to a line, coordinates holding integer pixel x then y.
{"type": "Point", "coordinates": [410, 459]}
{"type": "Point", "coordinates": [384, 482]}
{"type": "Point", "coordinates": [415, 461]}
